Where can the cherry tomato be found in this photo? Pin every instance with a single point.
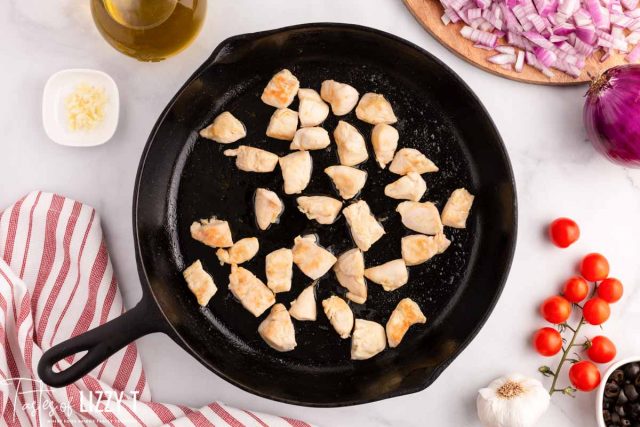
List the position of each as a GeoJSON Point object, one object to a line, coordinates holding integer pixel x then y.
{"type": "Point", "coordinates": [610, 290]}
{"type": "Point", "coordinates": [563, 232]}
{"type": "Point", "coordinates": [584, 375]}
{"type": "Point", "coordinates": [547, 341]}
{"type": "Point", "coordinates": [575, 289]}
{"type": "Point", "coordinates": [594, 267]}
{"type": "Point", "coordinates": [596, 311]}
{"type": "Point", "coordinates": [602, 350]}
{"type": "Point", "coordinates": [556, 309]}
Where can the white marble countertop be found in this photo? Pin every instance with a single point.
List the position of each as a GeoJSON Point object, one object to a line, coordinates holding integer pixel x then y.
{"type": "Point", "coordinates": [557, 173]}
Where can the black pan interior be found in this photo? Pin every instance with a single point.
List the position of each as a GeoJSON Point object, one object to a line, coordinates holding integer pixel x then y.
{"type": "Point", "coordinates": [184, 177]}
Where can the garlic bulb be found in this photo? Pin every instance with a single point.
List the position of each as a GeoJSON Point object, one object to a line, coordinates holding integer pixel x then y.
{"type": "Point", "coordinates": [512, 401]}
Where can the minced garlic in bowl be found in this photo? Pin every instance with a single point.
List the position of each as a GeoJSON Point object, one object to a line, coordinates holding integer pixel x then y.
{"type": "Point", "coordinates": [85, 107]}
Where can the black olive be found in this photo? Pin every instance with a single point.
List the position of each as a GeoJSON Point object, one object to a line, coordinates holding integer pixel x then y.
{"type": "Point", "coordinates": [611, 390]}
{"type": "Point", "coordinates": [625, 422]}
{"type": "Point", "coordinates": [631, 370]}
{"type": "Point", "coordinates": [617, 375]}
{"type": "Point", "coordinates": [606, 416]}
{"type": "Point", "coordinates": [631, 392]}
{"type": "Point", "coordinates": [622, 398]}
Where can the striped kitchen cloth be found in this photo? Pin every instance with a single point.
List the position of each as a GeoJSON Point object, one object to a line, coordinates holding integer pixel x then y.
{"type": "Point", "coordinates": [56, 281]}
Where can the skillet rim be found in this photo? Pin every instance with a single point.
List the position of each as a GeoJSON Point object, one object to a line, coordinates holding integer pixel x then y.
{"type": "Point", "coordinates": [510, 244]}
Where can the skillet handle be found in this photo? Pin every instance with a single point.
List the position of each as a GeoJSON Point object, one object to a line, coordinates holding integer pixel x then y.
{"type": "Point", "coordinates": [99, 343]}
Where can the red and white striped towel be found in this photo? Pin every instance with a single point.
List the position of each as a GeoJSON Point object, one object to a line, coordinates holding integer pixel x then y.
{"type": "Point", "coordinates": [56, 281]}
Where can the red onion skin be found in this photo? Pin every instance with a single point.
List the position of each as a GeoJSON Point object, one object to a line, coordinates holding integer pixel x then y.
{"type": "Point", "coordinates": [612, 114]}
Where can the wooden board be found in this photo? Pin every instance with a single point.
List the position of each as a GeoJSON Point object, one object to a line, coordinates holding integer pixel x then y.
{"type": "Point", "coordinates": [428, 13]}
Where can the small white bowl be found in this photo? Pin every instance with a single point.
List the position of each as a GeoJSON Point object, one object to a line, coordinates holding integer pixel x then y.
{"type": "Point", "coordinates": [603, 383]}
{"type": "Point", "coordinates": [54, 115]}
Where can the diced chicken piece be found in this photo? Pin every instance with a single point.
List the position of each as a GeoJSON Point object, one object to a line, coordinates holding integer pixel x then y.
{"type": "Point", "coordinates": [390, 275]}
{"type": "Point", "coordinates": [296, 171]}
{"type": "Point", "coordinates": [200, 283]}
{"type": "Point", "coordinates": [411, 160]}
{"type": "Point", "coordinates": [241, 251]}
{"type": "Point", "coordinates": [250, 291]}
{"type": "Point", "coordinates": [339, 314]}
{"type": "Point", "coordinates": [312, 259]}
{"type": "Point", "coordinates": [277, 329]}
{"type": "Point", "coordinates": [251, 159]}
{"type": "Point", "coordinates": [349, 271]}
{"type": "Point", "coordinates": [368, 340]}
{"type": "Point", "coordinates": [312, 109]}
{"type": "Point", "coordinates": [419, 248]}
{"type": "Point", "coordinates": [457, 209]}
{"type": "Point", "coordinates": [268, 208]}
{"type": "Point", "coordinates": [352, 149]}
{"type": "Point", "coordinates": [304, 307]}
{"type": "Point", "coordinates": [406, 314]}
{"type": "Point", "coordinates": [281, 89]}
{"type": "Point", "coordinates": [365, 229]}
{"type": "Point", "coordinates": [347, 180]}
{"type": "Point", "coordinates": [384, 139]}
{"type": "Point", "coordinates": [375, 109]}
{"type": "Point", "coordinates": [421, 217]}
{"type": "Point", "coordinates": [283, 124]}
{"type": "Point", "coordinates": [225, 129]}
{"type": "Point", "coordinates": [212, 232]}
{"type": "Point", "coordinates": [314, 138]}
{"type": "Point", "coordinates": [279, 270]}
{"type": "Point", "coordinates": [342, 97]}
{"type": "Point", "coordinates": [321, 208]}
{"type": "Point", "coordinates": [408, 187]}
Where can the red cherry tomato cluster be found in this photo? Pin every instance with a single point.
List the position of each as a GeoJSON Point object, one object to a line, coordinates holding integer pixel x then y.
{"type": "Point", "coordinates": [594, 267]}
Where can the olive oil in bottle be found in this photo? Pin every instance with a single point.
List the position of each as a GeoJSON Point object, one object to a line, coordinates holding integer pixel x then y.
{"type": "Point", "coordinates": [149, 30]}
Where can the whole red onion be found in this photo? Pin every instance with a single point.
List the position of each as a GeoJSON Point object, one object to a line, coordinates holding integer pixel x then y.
{"type": "Point", "coordinates": [612, 114]}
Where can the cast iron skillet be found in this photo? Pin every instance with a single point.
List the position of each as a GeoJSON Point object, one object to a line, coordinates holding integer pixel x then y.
{"type": "Point", "coordinates": [183, 177]}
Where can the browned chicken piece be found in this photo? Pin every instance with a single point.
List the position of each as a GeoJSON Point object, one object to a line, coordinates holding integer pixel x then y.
{"type": "Point", "coordinates": [212, 232]}
{"type": "Point", "coordinates": [283, 124]}
{"type": "Point", "coordinates": [268, 208]}
{"type": "Point", "coordinates": [352, 149]}
{"type": "Point", "coordinates": [304, 307]}
{"type": "Point", "coordinates": [251, 159]}
{"type": "Point", "coordinates": [408, 187]}
{"type": "Point", "coordinates": [312, 109]}
{"type": "Point", "coordinates": [241, 251]}
{"type": "Point", "coordinates": [368, 340]}
{"type": "Point", "coordinates": [250, 291]}
{"type": "Point", "coordinates": [281, 89]}
{"type": "Point", "coordinates": [321, 208]}
{"type": "Point", "coordinates": [312, 259]}
{"type": "Point", "coordinates": [339, 314]}
{"type": "Point", "coordinates": [200, 283]}
{"type": "Point", "coordinates": [406, 314]}
{"type": "Point", "coordinates": [347, 180]}
{"type": "Point", "coordinates": [349, 271]}
{"type": "Point", "coordinates": [421, 217]}
{"type": "Point", "coordinates": [373, 108]}
{"type": "Point", "coordinates": [411, 160]}
{"type": "Point", "coordinates": [390, 275]}
{"type": "Point", "coordinates": [277, 329]}
{"type": "Point", "coordinates": [225, 129]}
{"type": "Point", "coordinates": [296, 171]}
{"type": "Point", "coordinates": [456, 211]}
{"type": "Point", "coordinates": [419, 248]}
{"type": "Point", "coordinates": [365, 229]}
{"type": "Point", "coordinates": [384, 139]}
{"type": "Point", "coordinates": [279, 270]}
{"type": "Point", "coordinates": [342, 97]}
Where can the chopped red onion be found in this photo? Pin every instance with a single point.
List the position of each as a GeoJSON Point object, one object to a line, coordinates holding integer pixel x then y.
{"type": "Point", "coordinates": [560, 34]}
